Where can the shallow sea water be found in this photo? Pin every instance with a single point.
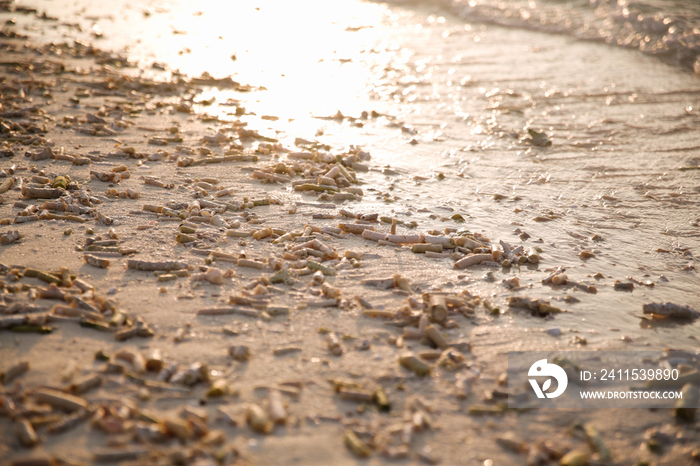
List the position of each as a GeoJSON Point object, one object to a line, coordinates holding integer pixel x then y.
{"type": "Point", "coordinates": [457, 96]}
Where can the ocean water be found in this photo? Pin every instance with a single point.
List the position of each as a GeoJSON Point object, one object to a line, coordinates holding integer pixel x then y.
{"type": "Point", "coordinates": [668, 29]}
{"type": "Point", "coordinates": [456, 86]}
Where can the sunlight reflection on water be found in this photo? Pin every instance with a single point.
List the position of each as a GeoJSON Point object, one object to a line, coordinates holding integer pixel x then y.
{"type": "Point", "coordinates": [306, 54]}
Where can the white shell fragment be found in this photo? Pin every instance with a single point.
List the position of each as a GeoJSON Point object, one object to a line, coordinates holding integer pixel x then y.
{"type": "Point", "coordinates": [212, 275]}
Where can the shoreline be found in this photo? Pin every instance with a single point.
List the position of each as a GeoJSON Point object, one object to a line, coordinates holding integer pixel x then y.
{"type": "Point", "coordinates": [141, 137]}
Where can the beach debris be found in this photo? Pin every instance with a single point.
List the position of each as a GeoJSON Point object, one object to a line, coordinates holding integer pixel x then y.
{"type": "Point", "coordinates": [586, 254]}
{"type": "Point", "coordinates": [411, 362]}
{"type": "Point", "coordinates": [382, 283]}
{"type": "Point", "coordinates": [436, 337]}
{"type": "Point", "coordinates": [152, 266]}
{"type": "Point", "coordinates": [118, 454]}
{"type": "Point", "coordinates": [10, 237]}
{"type": "Point", "coordinates": [325, 270]}
{"type": "Point", "coordinates": [437, 307]}
{"type": "Point", "coordinates": [7, 184]}
{"type": "Point", "coordinates": [452, 360]}
{"type": "Point", "coordinates": [334, 345]}
{"type": "Point", "coordinates": [285, 350]}
{"type": "Point", "coordinates": [623, 286]}
{"type": "Point", "coordinates": [60, 400]}
{"type": "Point", "coordinates": [239, 352]}
{"type": "Point", "coordinates": [559, 279]}
{"type": "Point", "coordinates": [278, 413]}
{"type": "Point", "coordinates": [596, 442]}
{"type": "Point", "coordinates": [510, 441]}
{"type": "Point", "coordinates": [473, 260]}
{"type": "Point", "coordinates": [670, 310]}
{"type": "Point", "coordinates": [532, 254]}
{"type": "Point", "coordinates": [31, 192]}
{"type": "Point", "coordinates": [218, 388]}
{"type": "Point", "coordinates": [538, 138]}
{"type": "Point", "coordinates": [96, 261]}
{"type": "Point", "coordinates": [426, 247]}
{"type": "Point", "coordinates": [258, 419]}
{"type": "Point", "coordinates": [558, 271]}
{"type": "Point", "coordinates": [382, 400]}
{"type": "Point", "coordinates": [25, 432]}
{"type": "Point", "coordinates": [14, 371]}
{"type": "Point", "coordinates": [686, 407]}
{"type": "Point", "coordinates": [85, 385]}
{"type": "Point", "coordinates": [179, 428]}
{"type": "Point", "coordinates": [212, 275]}
{"type": "Point", "coordinates": [575, 458]}
{"type": "Point", "coordinates": [539, 306]}
{"type": "Point", "coordinates": [356, 446]}
{"type": "Point", "coordinates": [397, 281]}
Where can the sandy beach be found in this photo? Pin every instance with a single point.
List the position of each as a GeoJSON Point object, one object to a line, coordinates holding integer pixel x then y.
{"type": "Point", "coordinates": [224, 249]}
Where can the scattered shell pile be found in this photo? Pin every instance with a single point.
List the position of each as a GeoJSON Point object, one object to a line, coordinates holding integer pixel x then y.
{"type": "Point", "coordinates": [221, 235]}
{"type": "Point", "coordinates": [23, 308]}
{"type": "Point", "coordinates": [177, 437]}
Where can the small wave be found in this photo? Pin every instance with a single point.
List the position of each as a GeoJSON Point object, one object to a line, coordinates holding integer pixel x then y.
{"type": "Point", "coordinates": [668, 29]}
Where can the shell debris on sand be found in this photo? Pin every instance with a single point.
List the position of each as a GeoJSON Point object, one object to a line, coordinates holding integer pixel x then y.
{"type": "Point", "coordinates": [671, 310]}
{"type": "Point", "coordinates": [190, 220]}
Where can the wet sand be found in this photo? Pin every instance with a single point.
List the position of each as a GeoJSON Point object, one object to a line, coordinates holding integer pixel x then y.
{"type": "Point", "coordinates": [477, 165]}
